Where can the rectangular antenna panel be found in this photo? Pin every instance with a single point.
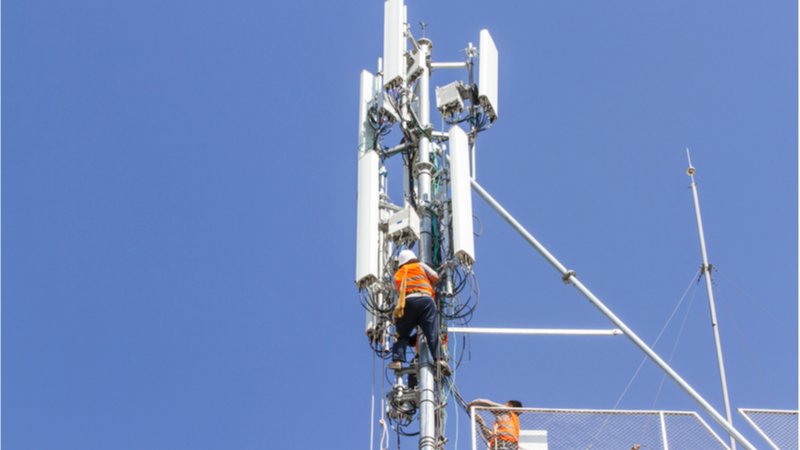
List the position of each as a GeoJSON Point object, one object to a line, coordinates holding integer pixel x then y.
{"type": "Point", "coordinates": [461, 193]}
{"type": "Point", "coordinates": [487, 75]}
{"type": "Point", "coordinates": [366, 134]}
{"type": "Point", "coordinates": [368, 219]}
{"type": "Point", "coordinates": [394, 43]}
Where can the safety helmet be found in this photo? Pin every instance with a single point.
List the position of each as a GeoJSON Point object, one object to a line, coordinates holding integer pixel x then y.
{"type": "Point", "coordinates": [405, 256]}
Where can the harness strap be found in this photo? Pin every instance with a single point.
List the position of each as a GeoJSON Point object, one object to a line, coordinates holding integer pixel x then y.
{"type": "Point", "coordinates": [399, 310]}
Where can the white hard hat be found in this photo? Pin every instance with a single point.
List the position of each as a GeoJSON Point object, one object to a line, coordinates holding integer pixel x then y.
{"type": "Point", "coordinates": [405, 256]}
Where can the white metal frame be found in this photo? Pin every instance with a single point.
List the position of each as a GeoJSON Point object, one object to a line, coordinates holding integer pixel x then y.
{"type": "Point", "coordinates": [743, 412]}
{"type": "Point", "coordinates": [659, 414]}
{"type": "Point", "coordinates": [535, 331]}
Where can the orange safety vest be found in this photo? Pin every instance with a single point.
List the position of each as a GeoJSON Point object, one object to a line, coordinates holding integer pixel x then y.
{"type": "Point", "coordinates": [416, 280]}
{"type": "Point", "coordinates": [507, 430]}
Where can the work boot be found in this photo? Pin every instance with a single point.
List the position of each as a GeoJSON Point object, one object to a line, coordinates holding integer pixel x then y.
{"type": "Point", "coordinates": [444, 367]}
{"type": "Point", "coordinates": [395, 365]}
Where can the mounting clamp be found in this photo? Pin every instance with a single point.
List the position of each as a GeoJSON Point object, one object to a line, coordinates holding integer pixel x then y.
{"type": "Point", "coordinates": [566, 276]}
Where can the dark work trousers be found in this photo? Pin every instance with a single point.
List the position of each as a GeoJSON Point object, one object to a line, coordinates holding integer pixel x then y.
{"type": "Point", "coordinates": [419, 311]}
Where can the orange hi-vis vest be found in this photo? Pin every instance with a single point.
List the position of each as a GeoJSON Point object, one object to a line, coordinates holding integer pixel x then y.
{"type": "Point", "coordinates": [416, 280]}
{"type": "Point", "coordinates": [507, 430]}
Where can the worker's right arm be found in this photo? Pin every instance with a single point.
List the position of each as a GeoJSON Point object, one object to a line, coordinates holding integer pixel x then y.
{"type": "Point", "coordinates": [431, 274]}
{"type": "Point", "coordinates": [501, 415]}
{"type": "Point", "coordinates": [485, 404]}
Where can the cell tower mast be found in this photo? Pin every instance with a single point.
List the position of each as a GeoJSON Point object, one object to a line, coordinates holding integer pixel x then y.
{"type": "Point", "coordinates": [436, 210]}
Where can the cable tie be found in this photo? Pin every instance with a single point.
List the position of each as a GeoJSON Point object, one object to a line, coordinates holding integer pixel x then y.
{"type": "Point", "coordinates": [565, 277]}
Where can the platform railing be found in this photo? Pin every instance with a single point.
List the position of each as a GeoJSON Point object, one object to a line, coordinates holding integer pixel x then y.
{"type": "Point", "coordinates": [574, 429]}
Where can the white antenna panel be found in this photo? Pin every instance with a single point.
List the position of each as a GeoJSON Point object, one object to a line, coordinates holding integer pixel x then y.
{"type": "Point", "coordinates": [394, 43]}
{"type": "Point", "coordinates": [461, 193]}
{"type": "Point", "coordinates": [368, 217]}
{"type": "Point", "coordinates": [366, 135]}
{"type": "Point", "coordinates": [487, 75]}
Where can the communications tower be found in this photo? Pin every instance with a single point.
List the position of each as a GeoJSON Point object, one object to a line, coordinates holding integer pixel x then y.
{"type": "Point", "coordinates": [434, 216]}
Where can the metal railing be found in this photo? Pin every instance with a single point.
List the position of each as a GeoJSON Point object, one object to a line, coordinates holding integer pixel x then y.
{"type": "Point", "coordinates": [777, 427]}
{"type": "Point", "coordinates": [573, 429]}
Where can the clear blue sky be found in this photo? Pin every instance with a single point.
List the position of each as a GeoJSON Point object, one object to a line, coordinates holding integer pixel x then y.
{"type": "Point", "coordinates": [178, 205]}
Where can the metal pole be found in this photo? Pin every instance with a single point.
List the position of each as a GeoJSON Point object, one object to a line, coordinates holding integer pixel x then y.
{"type": "Point", "coordinates": [570, 277]}
{"type": "Point", "coordinates": [664, 441]}
{"type": "Point", "coordinates": [758, 430]}
{"type": "Point", "coordinates": [424, 165]}
{"type": "Point", "coordinates": [474, 431]}
{"type": "Point", "coordinates": [515, 225]}
{"type": "Point", "coordinates": [472, 149]}
{"type": "Point", "coordinates": [707, 272]}
{"type": "Point", "coordinates": [449, 65]}
{"type": "Point", "coordinates": [535, 331]}
{"type": "Point", "coordinates": [427, 384]}
{"type": "Point", "coordinates": [427, 403]}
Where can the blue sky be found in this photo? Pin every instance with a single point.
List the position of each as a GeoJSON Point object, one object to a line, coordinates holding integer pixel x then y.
{"type": "Point", "coordinates": [178, 192]}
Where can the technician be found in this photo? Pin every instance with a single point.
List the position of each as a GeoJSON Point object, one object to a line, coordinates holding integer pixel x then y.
{"type": "Point", "coordinates": [504, 435]}
{"type": "Point", "coordinates": [415, 281]}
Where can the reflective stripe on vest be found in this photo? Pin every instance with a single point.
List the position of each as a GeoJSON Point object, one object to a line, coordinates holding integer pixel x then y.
{"type": "Point", "coordinates": [507, 430]}
{"type": "Point", "coordinates": [416, 279]}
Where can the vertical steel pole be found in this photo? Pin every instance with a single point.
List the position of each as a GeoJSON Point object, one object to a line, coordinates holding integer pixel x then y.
{"type": "Point", "coordinates": [472, 149]}
{"type": "Point", "coordinates": [474, 431]}
{"type": "Point", "coordinates": [707, 272]}
{"type": "Point", "coordinates": [664, 441]}
{"type": "Point", "coordinates": [424, 165]}
{"type": "Point", "coordinates": [427, 404]}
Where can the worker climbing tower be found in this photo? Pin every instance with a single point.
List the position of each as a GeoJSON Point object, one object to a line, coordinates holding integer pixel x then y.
{"type": "Point", "coordinates": [434, 216]}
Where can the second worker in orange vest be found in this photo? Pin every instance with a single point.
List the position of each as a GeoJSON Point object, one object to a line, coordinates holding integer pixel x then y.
{"type": "Point", "coordinates": [420, 310]}
{"type": "Point", "coordinates": [504, 434]}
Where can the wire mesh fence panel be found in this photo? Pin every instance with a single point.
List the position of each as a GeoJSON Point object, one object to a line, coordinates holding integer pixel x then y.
{"type": "Point", "coordinates": [551, 429]}
{"type": "Point", "coordinates": [685, 431]}
{"type": "Point", "coordinates": [570, 429]}
{"type": "Point", "coordinates": [781, 427]}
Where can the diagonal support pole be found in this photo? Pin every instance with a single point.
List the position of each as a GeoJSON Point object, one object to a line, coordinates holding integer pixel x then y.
{"type": "Point", "coordinates": [569, 277]}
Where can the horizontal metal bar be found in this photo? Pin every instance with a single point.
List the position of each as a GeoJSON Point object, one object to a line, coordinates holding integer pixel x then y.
{"type": "Point", "coordinates": [449, 65]}
{"type": "Point", "coordinates": [768, 411]}
{"type": "Point", "coordinates": [589, 411]}
{"type": "Point", "coordinates": [397, 149]}
{"type": "Point", "coordinates": [541, 331]}
{"type": "Point", "coordinates": [390, 206]}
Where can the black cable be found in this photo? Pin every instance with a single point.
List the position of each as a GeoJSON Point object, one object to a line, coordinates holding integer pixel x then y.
{"type": "Point", "coordinates": [408, 159]}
